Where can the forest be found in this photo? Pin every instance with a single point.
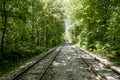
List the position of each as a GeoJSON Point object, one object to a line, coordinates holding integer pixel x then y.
{"type": "Point", "coordinates": [95, 26]}
{"type": "Point", "coordinates": [29, 27]}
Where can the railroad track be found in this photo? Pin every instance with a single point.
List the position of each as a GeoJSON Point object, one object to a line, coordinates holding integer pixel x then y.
{"type": "Point", "coordinates": [71, 64]}
{"type": "Point", "coordinates": [46, 60]}
{"type": "Point", "coordinates": [102, 61]}
{"type": "Point", "coordinates": [100, 76]}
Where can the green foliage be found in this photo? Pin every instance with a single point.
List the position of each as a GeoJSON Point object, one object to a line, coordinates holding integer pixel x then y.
{"type": "Point", "coordinates": [29, 27]}
{"type": "Point", "coordinates": [95, 24]}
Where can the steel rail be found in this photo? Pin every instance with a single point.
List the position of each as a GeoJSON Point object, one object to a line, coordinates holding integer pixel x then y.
{"type": "Point", "coordinates": [27, 69]}
{"type": "Point", "coordinates": [46, 69]}
{"type": "Point", "coordinates": [98, 76]}
{"type": "Point", "coordinates": [101, 62]}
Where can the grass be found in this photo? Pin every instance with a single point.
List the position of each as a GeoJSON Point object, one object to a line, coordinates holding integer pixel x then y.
{"type": "Point", "coordinates": [111, 57]}
{"type": "Point", "coordinates": [11, 62]}
{"type": "Point", "coordinates": [8, 65]}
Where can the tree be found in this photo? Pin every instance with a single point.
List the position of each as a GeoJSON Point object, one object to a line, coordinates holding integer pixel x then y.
{"type": "Point", "coordinates": [95, 24]}
{"type": "Point", "coordinates": [27, 25]}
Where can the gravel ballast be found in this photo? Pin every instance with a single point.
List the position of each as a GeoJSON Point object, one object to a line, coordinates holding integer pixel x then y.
{"type": "Point", "coordinates": [68, 65]}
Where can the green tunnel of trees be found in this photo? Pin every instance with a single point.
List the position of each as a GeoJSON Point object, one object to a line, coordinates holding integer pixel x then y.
{"type": "Point", "coordinates": [95, 25]}
{"type": "Point", "coordinates": [28, 27]}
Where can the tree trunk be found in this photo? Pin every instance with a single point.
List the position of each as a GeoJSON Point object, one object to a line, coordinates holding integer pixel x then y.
{"type": "Point", "coordinates": [4, 22]}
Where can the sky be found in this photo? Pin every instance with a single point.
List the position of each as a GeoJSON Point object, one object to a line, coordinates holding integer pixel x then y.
{"type": "Point", "coordinates": [65, 20]}
{"type": "Point", "coordinates": [66, 23]}
{"type": "Point", "coordinates": [66, 0]}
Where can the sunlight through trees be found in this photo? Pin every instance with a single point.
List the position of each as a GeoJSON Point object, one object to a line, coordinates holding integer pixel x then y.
{"type": "Point", "coordinates": [94, 24]}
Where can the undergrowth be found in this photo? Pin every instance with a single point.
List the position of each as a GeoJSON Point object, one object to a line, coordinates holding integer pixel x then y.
{"type": "Point", "coordinates": [14, 59]}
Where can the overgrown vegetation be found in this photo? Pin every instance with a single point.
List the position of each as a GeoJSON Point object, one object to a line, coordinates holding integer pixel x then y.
{"type": "Point", "coordinates": [28, 27]}
{"type": "Point", "coordinates": [95, 25]}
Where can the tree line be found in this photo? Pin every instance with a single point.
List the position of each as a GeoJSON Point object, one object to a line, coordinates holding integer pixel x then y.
{"type": "Point", "coordinates": [95, 24]}
{"type": "Point", "coordinates": [29, 26]}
